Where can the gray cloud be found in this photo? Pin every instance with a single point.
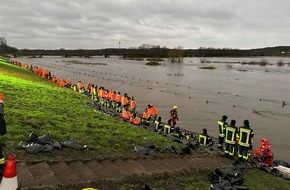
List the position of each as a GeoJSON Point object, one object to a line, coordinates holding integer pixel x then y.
{"type": "Point", "coordinates": [100, 24]}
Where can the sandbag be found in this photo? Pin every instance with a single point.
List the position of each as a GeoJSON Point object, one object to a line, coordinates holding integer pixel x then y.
{"type": "Point", "coordinates": [33, 147]}
{"type": "Point", "coordinates": [72, 144]}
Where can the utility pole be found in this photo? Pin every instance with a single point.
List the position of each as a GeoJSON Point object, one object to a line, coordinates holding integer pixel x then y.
{"type": "Point", "coordinates": [119, 45]}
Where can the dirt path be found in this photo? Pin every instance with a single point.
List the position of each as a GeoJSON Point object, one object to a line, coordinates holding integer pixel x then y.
{"type": "Point", "coordinates": [79, 173]}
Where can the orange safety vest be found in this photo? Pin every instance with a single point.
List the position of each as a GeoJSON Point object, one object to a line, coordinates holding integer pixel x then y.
{"type": "Point", "coordinates": [136, 120]}
{"type": "Point", "coordinates": [118, 98]}
{"type": "Point", "coordinates": [69, 81]}
{"type": "Point", "coordinates": [133, 104]}
{"type": "Point", "coordinates": [54, 79]}
{"type": "Point", "coordinates": [113, 97]}
{"type": "Point", "coordinates": [80, 85]}
{"type": "Point", "coordinates": [145, 115]}
{"type": "Point", "coordinates": [62, 83]}
{"type": "Point", "coordinates": [126, 114]}
{"type": "Point", "coordinates": [124, 101]}
{"type": "Point", "coordinates": [153, 111]}
{"type": "Point", "coordinates": [105, 94]}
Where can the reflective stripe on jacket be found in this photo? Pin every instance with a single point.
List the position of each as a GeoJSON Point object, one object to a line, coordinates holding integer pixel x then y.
{"type": "Point", "coordinates": [230, 134]}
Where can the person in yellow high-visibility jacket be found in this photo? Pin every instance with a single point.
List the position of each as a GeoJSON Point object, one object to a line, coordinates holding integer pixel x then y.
{"type": "Point", "coordinates": [246, 137]}
{"type": "Point", "coordinates": [230, 138]}
{"type": "Point", "coordinates": [221, 125]}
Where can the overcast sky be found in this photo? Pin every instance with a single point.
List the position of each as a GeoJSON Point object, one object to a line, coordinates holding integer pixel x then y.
{"type": "Point", "coordinates": [95, 24]}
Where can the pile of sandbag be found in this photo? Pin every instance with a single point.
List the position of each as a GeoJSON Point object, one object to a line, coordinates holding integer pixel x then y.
{"type": "Point", "coordinates": [45, 143]}
{"type": "Point", "coordinates": [231, 179]}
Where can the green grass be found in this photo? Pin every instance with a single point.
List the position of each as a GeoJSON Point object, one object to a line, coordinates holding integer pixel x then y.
{"type": "Point", "coordinates": [254, 179]}
{"type": "Point", "coordinates": [36, 104]}
{"type": "Point", "coordinates": [260, 180]}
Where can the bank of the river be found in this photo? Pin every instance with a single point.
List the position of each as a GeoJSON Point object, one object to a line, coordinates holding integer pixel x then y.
{"type": "Point", "coordinates": [36, 104]}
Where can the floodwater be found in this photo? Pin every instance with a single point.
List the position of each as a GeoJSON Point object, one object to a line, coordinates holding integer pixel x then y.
{"type": "Point", "coordinates": [239, 91]}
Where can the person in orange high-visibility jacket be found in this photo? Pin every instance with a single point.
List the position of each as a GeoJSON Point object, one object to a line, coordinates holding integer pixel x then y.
{"type": "Point", "coordinates": [125, 100]}
{"type": "Point", "coordinates": [135, 119]}
{"type": "Point", "coordinates": [62, 83]}
{"type": "Point", "coordinates": [93, 92]}
{"type": "Point", "coordinates": [110, 98]}
{"type": "Point", "coordinates": [79, 85]}
{"type": "Point", "coordinates": [69, 82]}
{"type": "Point", "coordinates": [39, 71]}
{"type": "Point", "coordinates": [145, 116]}
{"type": "Point", "coordinates": [152, 110]}
{"type": "Point", "coordinates": [88, 87]}
{"type": "Point", "coordinates": [53, 79]}
{"type": "Point", "coordinates": [45, 74]}
{"type": "Point", "coordinates": [133, 105]}
{"type": "Point", "coordinates": [126, 114]}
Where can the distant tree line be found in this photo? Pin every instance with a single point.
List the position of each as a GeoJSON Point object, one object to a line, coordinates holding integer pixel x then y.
{"type": "Point", "coordinates": [147, 50]}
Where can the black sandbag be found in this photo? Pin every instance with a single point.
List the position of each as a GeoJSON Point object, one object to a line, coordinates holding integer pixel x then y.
{"type": "Point", "coordinates": [56, 144]}
{"type": "Point", "coordinates": [186, 150]}
{"type": "Point", "coordinates": [149, 144]}
{"type": "Point", "coordinates": [72, 144]}
{"type": "Point", "coordinates": [170, 149]}
{"type": "Point", "coordinates": [47, 148]}
{"type": "Point", "coordinates": [45, 139]}
{"type": "Point", "coordinates": [34, 147]}
{"type": "Point", "coordinates": [140, 149]}
{"type": "Point", "coordinates": [33, 137]}
{"type": "Point", "coordinates": [214, 178]}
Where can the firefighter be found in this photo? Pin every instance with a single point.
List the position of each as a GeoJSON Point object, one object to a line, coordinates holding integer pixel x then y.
{"type": "Point", "coordinates": [173, 114]}
{"type": "Point", "coordinates": [246, 137]}
{"type": "Point", "coordinates": [230, 138]}
{"type": "Point", "coordinates": [204, 139]}
{"type": "Point", "coordinates": [221, 125]}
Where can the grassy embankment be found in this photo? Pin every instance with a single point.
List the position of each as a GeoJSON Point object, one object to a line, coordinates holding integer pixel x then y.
{"type": "Point", "coordinates": [35, 104]}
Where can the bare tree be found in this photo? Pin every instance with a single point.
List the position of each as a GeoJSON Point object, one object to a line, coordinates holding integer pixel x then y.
{"type": "Point", "coordinates": [176, 55]}
{"type": "Point", "coordinates": [3, 41]}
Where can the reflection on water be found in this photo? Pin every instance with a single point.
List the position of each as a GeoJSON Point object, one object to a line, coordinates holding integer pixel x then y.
{"type": "Point", "coordinates": [239, 91]}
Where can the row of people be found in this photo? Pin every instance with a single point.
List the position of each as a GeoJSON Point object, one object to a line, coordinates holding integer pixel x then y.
{"type": "Point", "coordinates": [239, 141]}
{"type": "Point", "coordinates": [235, 140]}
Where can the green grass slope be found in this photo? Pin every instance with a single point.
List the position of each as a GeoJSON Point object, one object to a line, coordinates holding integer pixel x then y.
{"type": "Point", "coordinates": [36, 104]}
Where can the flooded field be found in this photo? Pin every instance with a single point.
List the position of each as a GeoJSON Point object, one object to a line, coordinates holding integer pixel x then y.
{"type": "Point", "coordinates": [240, 91]}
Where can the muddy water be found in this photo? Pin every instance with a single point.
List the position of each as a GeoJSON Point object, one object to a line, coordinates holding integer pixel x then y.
{"type": "Point", "coordinates": [202, 96]}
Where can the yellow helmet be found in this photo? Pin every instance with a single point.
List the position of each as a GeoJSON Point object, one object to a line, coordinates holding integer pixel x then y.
{"type": "Point", "coordinates": [174, 107]}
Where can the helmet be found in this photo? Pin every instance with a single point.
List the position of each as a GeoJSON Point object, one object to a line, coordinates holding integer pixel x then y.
{"type": "Point", "coordinates": [174, 107]}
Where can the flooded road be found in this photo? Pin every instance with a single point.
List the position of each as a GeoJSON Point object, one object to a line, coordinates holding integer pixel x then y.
{"type": "Point", "coordinates": [239, 91]}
